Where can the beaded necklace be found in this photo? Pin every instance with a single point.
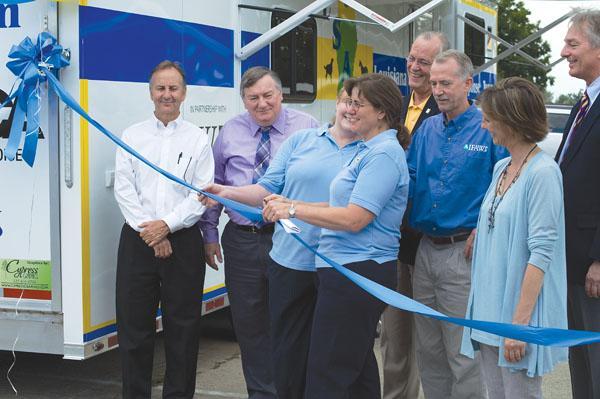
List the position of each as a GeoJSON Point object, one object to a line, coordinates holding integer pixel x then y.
{"type": "Point", "coordinates": [497, 192]}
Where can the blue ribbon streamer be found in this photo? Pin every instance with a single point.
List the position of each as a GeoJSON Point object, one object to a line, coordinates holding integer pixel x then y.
{"type": "Point", "coordinates": [534, 335]}
{"type": "Point", "coordinates": [31, 63]}
{"type": "Point", "coordinates": [9, 2]}
{"type": "Point", "coordinates": [248, 211]}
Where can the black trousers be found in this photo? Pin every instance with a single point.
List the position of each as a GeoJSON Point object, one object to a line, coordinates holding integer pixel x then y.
{"type": "Point", "coordinates": [341, 362]}
{"type": "Point", "coordinates": [246, 263]}
{"type": "Point", "coordinates": [177, 283]}
{"type": "Point", "coordinates": [584, 360]}
{"type": "Point", "coordinates": [292, 299]}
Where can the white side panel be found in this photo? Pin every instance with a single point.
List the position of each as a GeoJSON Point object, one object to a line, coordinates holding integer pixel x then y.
{"type": "Point", "coordinates": [206, 12]}
{"type": "Point", "coordinates": [24, 206]}
{"type": "Point", "coordinates": [182, 10]}
{"type": "Point", "coordinates": [488, 14]}
{"type": "Point", "coordinates": [117, 106]}
{"type": "Point", "coordinates": [70, 197]}
{"type": "Point", "coordinates": [25, 211]}
{"type": "Point", "coordinates": [210, 106]}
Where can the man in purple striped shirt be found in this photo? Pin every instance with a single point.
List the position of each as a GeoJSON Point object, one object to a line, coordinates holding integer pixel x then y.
{"type": "Point", "coordinates": [242, 151]}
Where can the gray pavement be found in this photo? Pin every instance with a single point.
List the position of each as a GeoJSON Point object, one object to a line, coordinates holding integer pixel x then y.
{"type": "Point", "coordinates": [39, 376]}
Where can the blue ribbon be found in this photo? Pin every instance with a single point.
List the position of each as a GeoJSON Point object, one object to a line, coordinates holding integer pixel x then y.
{"type": "Point", "coordinates": [534, 335]}
{"type": "Point", "coordinates": [31, 63]}
{"type": "Point", "coordinates": [248, 211]}
{"type": "Point", "coordinates": [9, 2]}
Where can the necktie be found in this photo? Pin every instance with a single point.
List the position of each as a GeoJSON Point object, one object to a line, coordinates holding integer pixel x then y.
{"type": "Point", "coordinates": [583, 108]}
{"type": "Point", "coordinates": [263, 154]}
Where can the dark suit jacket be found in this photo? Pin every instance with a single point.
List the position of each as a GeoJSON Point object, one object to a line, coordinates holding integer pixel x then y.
{"type": "Point", "coordinates": [581, 180]}
{"type": "Point", "coordinates": [409, 242]}
{"type": "Point", "coordinates": [430, 109]}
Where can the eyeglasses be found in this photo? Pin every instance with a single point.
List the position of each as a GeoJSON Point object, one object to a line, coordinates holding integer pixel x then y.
{"type": "Point", "coordinates": [422, 62]}
{"type": "Point", "coordinates": [350, 103]}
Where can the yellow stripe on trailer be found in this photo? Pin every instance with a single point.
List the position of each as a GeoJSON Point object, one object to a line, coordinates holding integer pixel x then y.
{"type": "Point", "coordinates": [85, 207]}
{"type": "Point", "coordinates": [480, 6]}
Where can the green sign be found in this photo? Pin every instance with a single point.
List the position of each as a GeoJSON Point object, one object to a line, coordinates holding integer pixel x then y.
{"type": "Point", "coordinates": [26, 274]}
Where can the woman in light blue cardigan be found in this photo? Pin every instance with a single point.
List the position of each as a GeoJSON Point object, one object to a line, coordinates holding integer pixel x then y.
{"type": "Point", "coordinates": [518, 272]}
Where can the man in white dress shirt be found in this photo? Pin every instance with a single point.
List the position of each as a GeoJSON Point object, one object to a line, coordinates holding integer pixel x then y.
{"type": "Point", "coordinates": [161, 255]}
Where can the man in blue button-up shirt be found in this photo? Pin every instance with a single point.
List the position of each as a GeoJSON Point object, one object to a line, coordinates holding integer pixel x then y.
{"type": "Point", "coordinates": [451, 160]}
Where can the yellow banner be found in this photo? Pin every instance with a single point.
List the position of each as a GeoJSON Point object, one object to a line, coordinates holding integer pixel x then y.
{"type": "Point", "coordinates": [329, 69]}
{"type": "Point", "coordinates": [341, 56]}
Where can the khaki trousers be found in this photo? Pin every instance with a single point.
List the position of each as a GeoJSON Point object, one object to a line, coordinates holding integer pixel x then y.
{"type": "Point", "coordinates": [442, 281]}
{"type": "Point", "coordinates": [400, 372]}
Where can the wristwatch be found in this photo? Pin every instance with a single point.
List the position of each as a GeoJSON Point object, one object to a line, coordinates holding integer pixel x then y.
{"type": "Point", "coordinates": [292, 211]}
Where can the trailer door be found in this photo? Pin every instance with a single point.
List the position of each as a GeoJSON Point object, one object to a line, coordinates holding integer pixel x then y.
{"type": "Point", "coordinates": [30, 290]}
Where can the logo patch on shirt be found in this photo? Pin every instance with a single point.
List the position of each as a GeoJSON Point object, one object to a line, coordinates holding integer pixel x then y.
{"type": "Point", "coordinates": [476, 147]}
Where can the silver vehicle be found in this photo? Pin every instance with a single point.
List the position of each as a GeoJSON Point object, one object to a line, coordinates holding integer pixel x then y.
{"type": "Point", "coordinates": [557, 120]}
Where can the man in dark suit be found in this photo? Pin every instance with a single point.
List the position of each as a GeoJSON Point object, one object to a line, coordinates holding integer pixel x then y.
{"type": "Point", "coordinates": [400, 374]}
{"type": "Point", "coordinates": [579, 160]}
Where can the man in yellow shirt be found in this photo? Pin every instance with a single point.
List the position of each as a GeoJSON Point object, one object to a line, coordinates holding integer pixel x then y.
{"type": "Point", "coordinates": [422, 52]}
{"type": "Point", "coordinates": [400, 374]}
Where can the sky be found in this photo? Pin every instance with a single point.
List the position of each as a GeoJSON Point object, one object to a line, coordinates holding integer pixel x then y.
{"type": "Point", "coordinates": [547, 11]}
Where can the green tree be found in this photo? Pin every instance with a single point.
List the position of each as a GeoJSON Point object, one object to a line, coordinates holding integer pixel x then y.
{"type": "Point", "coordinates": [514, 26]}
{"type": "Point", "coordinates": [548, 96]}
{"type": "Point", "coordinates": [569, 99]}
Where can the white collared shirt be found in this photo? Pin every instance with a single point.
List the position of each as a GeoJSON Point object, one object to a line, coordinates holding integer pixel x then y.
{"type": "Point", "coordinates": [142, 193]}
{"type": "Point", "coordinates": [592, 91]}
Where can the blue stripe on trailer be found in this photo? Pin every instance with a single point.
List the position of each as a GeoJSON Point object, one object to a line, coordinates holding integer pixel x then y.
{"type": "Point", "coordinates": [124, 47]}
{"type": "Point", "coordinates": [481, 81]}
{"type": "Point", "coordinates": [214, 293]}
{"type": "Point", "coordinates": [112, 328]}
{"type": "Point", "coordinates": [260, 58]}
{"type": "Point", "coordinates": [394, 67]}
{"type": "Point", "coordinates": [92, 335]}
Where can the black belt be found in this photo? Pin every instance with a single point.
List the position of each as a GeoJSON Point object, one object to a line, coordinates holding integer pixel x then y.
{"type": "Point", "coordinates": [445, 240]}
{"type": "Point", "coordinates": [266, 229]}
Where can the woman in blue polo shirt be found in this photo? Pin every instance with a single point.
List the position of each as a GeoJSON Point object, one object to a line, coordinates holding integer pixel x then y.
{"type": "Point", "coordinates": [361, 230]}
{"type": "Point", "coordinates": [303, 168]}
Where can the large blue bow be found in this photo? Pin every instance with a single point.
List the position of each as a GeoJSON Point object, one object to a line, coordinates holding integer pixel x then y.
{"type": "Point", "coordinates": [31, 63]}
{"type": "Point", "coordinates": [534, 335]}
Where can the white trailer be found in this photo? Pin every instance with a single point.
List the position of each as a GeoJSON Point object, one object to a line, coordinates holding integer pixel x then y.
{"type": "Point", "coordinates": [59, 223]}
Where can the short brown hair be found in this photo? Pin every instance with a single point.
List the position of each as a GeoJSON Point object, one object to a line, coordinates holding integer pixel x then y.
{"type": "Point", "coordinates": [383, 93]}
{"type": "Point", "coordinates": [168, 64]}
{"type": "Point", "coordinates": [254, 74]}
{"type": "Point", "coordinates": [519, 105]}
